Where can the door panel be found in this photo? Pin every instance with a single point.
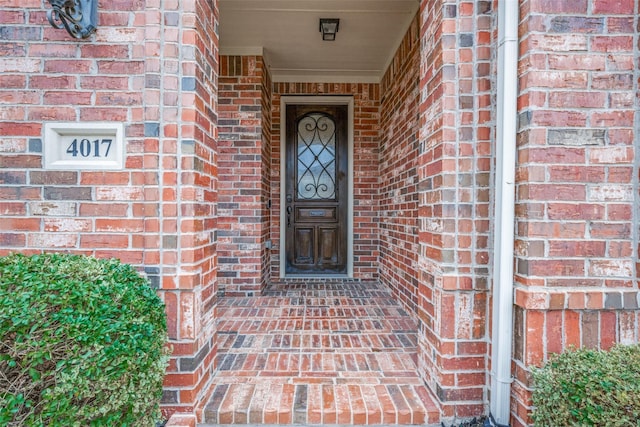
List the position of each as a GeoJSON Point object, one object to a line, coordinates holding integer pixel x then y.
{"type": "Point", "coordinates": [328, 248]}
{"type": "Point", "coordinates": [316, 189]}
{"type": "Point", "coordinates": [304, 245]}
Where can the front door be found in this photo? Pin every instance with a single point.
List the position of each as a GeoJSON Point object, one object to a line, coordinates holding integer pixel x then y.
{"type": "Point", "coordinates": [316, 195]}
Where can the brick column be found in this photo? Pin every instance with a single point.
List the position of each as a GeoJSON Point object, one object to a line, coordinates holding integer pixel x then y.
{"type": "Point", "coordinates": [577, 183]}
{"type": "Point", "coordinates": [181, 143]}
{"type": "Point", "coordinates": [453, 171]}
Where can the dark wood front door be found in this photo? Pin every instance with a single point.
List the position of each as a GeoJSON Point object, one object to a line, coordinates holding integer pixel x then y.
{"type": "Point", "coordinates": [316, 192]}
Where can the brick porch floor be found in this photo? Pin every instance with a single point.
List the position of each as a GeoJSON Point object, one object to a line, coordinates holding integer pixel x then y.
{"type": "Point", "coordinates": [318, 353]}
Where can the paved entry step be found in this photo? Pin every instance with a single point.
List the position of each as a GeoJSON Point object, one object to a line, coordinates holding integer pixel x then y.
{"type": "Point", "coordinates": [273, 403]}
{"type": "Point", "coordinates": [340, 353]}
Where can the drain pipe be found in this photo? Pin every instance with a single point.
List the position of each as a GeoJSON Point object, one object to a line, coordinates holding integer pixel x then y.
{"type": "Point", "coordinates": [502, 310]}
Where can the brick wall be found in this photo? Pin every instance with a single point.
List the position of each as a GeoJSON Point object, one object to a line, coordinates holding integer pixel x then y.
{"type": "Point", "coordinates": [454, 174]}
{"type": "Point", "coordinates": [399, 147]}
{"type": "Point", "coordinates": [577, 182]}
{"type": "Point", "coordinates": [268, 213]}
{"type": "Point", "coordinates": [366, 180]}
{"type": "Point", "coordinates": [152, 67]}
{"type": "Point", "coordinates": [45, 75]}
{"type": "Point", "coordinates": [244, 167]}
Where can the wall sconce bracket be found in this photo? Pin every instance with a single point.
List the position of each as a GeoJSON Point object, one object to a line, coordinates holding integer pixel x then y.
{"type": "Point", "coordinates": [78, 17]}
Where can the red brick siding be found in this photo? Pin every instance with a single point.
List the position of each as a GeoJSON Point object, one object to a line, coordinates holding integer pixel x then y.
{"type": "Point", "coordinates": [154, 70]}
{"type": "Point", "coordinates": [243, 173]}
{"type": "Point", "coordinates": [267, 202]}
{"type": "Point", "coordinates": [366, 179]}
{"type": "Point", "coordinates": [454, 170]}
{"type": "Point", "coordinates": [399, 148]}
{"type": "Point", "coordinates": [46, 75]}
{"type": "Point", "coordinates": [577, 193]}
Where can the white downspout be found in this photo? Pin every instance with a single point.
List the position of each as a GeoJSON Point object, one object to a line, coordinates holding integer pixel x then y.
{"type": "Point", "coordinates": [502, 310]}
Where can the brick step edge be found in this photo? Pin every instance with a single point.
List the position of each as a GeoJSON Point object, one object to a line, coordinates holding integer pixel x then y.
{"type": "Point", "coordinates": [182, 420]}
{"type": "Point", "coordinates": [293, 404]}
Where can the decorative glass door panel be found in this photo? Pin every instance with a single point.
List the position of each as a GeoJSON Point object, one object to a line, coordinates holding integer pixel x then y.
{"type": "Point", "coordinates": [316, 166]}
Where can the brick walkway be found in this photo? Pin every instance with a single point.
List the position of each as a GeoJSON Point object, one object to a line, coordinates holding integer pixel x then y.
{"type": "Point", "coordinates": [318, 353]}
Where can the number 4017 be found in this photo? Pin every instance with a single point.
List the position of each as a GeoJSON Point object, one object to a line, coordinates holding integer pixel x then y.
{"type": "Point", "coordinates": [86, 148]}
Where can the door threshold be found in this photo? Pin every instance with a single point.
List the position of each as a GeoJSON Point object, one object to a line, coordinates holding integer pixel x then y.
{"type": "Point", "coordinates": [315, 276]}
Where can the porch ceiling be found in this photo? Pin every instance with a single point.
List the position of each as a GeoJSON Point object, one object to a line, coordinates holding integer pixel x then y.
{"type": "Point", "coordinates": [286, 33]}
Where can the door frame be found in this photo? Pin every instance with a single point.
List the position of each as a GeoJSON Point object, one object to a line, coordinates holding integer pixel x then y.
{"type": "Point", "coordinates": [315, 100]}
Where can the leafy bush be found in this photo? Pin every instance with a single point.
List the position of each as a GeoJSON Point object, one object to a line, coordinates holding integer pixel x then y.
{"type": "Point", "coordinates": [82, 342]}
{"type": "Point", "coordinates": [589, 387]}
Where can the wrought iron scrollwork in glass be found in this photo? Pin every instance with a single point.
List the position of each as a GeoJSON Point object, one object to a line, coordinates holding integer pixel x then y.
{"type": "Point", "coordinates": [316, 169]}
{"type": "Point", "coordinates": [78, 17]}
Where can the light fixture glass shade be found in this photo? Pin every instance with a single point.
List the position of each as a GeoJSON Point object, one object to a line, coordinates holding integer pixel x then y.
{"type": "Point", "coordinates": [329, 28]}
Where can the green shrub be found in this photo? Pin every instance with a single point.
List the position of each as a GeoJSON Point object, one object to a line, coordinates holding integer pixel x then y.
{"type": "Point", "coordinates": [82, 342]}
{"type": "Point", "coordinates": [589, 387]}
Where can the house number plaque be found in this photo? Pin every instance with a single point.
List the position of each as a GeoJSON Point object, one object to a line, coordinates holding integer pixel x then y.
{"type": "Point", "coordinates": [84, 146]}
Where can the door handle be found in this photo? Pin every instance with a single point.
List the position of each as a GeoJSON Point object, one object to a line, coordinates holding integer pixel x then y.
{"type": "Point", "coordinates": [289, 216]}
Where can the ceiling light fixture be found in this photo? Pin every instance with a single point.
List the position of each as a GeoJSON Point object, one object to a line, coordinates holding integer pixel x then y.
{"type": "Point", "coordinates": [329, 28]}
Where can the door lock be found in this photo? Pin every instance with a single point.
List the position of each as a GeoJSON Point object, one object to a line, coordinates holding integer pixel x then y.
{"type": "Point", "coordinates": [289, 209]}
